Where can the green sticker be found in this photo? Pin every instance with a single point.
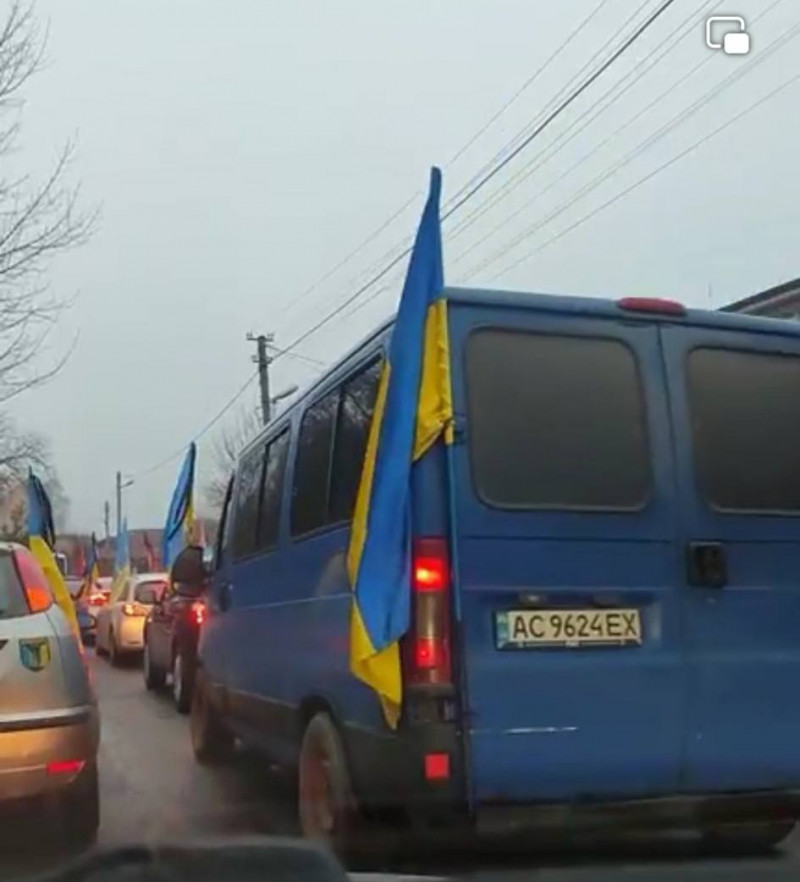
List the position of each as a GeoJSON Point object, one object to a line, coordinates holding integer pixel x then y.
{"type": "Point", "coordinates": [35, 653]}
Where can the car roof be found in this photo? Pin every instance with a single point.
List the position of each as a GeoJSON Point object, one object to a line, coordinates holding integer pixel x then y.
{"type": "Point", "coordinates": [150, 577]}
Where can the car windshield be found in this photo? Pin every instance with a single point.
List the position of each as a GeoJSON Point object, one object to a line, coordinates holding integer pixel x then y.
{"type": "Point", "coordinates": [398, 446]}
{"type": "Point", "coordinates": [149, 592]}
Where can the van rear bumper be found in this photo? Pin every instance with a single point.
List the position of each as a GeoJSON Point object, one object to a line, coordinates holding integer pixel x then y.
{"type": "Point", "coordinates": [673, 812]}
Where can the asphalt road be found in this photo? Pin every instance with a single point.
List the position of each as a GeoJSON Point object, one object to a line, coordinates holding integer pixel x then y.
{"type": "Point", "coordinates": [152, 790]}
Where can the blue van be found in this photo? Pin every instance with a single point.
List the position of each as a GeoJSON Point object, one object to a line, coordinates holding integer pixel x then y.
{"type": "Point", "coordinates": [605, 581]}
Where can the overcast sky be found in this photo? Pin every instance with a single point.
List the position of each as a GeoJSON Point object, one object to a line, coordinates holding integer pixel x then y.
{"type": "Point", "coordinates": [238, 151]}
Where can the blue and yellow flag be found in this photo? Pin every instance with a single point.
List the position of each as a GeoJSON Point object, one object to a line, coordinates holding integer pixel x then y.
{"type": "Point", "coordinates": [413, 409]}
{"type": "Point", "coordinates": [178, 530]}
{"type": "Point", "coordinates": [122, 563]}
{"type": "Point", "coordinates": [42, 540]}
{"type": "Point", "coordinates": [92, 571]}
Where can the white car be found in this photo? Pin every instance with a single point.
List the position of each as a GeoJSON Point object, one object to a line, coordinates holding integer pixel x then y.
{"type": "Point", "coordinates": [120, 623]}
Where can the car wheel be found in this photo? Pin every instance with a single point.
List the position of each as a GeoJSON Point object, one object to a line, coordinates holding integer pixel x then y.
{"type": "Point", "coordinates": [181, 681]}
{"type": "Point", "coordinates": [80, 810]}
{"type": "Point", "coordinates": [154, 677]}
{"type": "Point", "coordinates": [327, 807]}
{"type": "Point", "coordinates": [114, 655]}
{"type": "Point", "coordinates": [211, 741]}
{"type": "Point", "coordinates": [747, 838]}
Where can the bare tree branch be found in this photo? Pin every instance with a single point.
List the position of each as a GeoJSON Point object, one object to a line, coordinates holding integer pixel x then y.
{"type": "Point", "coordinates": [226, 447]}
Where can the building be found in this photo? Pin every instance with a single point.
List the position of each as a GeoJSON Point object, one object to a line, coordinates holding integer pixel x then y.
{"type": "Point", "coordinates": [782, 301]}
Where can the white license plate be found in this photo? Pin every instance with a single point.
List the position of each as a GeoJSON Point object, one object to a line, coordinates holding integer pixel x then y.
{"type": "Point", "coordinates": [533, 628]}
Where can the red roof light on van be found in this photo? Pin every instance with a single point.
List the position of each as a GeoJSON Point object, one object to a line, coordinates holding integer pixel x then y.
{"type": "Point", "coordinates": [652, 304]}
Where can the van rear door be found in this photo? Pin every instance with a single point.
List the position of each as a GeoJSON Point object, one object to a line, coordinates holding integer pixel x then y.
{"type": "Point", "coordinates": [570, 617]}
{"type": "Point", "coordinates": [735, 399]}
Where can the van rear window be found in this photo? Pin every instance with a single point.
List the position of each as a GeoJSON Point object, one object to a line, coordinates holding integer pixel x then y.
{"type": "Point", "coordinates": [555, 421]}
{"type": "Point", "coordinates": [745, 411]}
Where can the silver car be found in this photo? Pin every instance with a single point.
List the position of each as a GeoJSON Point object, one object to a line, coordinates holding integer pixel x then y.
{"type": "Point", "coordinates": [49, 727]}
{"type": "Point", "coordinates": [120, 623]}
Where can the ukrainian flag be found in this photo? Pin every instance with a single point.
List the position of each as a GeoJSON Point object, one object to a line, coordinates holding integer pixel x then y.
{"type": "Point", "coordinates": [92, 572]}
{"type": "Point", "coordinates": [122, 563]}
{"type": "Point", "coordinates": [179, 529]}
{"type": "Point", "coordinates": [413, 409]}
{"type": "Point", "coordinates": [41, 541]}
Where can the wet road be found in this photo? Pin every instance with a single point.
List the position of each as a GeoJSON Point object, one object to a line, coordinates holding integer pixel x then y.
{"type": "Point", "coordinates": [153, 790]}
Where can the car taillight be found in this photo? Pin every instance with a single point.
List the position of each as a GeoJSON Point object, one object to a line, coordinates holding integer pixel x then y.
{"type": "Point", "coordinates": [33, 581]}
{"type": "Point", "coordinates": [65, 767]}
{"type": "Point", "coordinates": [134, 609]}
{"type": "Point", "coordinates": [427, 655]}
{"type": "Point", "coordinates": [97, 600]}
{"type": "Point", "coordinates": [198, 612]}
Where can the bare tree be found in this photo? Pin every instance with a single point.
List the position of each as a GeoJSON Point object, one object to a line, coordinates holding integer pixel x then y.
{"type": "Point", "coordinates": [225, 449]}
{"type": "Point", "coordinates": [38, 218]}
{"type": "Point", "coordinates": [19, 452]}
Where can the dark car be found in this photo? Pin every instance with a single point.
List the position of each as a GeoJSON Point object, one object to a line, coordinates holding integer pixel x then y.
{"type": "Point", "coordinates": [86, 620]}
{"type": "Point", "coordinates": [172, 629]}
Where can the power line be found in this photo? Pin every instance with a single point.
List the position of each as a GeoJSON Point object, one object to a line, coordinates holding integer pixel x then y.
{"type": "Point", "coordinates": [648, 176]}
{"type": "Point", "coordinates": [650, 20]}
{"type": "Point", "coordinates": [575, 129]}
{"type": "Point", "coordinates": [627, 43]}
{"type": "Point", "coordinates": [212, 422]}
{"type": "Point", "coordinates": [641, 147]}
{"type": "Point", "coordinates": [306, 358]}
{"type": "Point", "coordinates": [458, 154]}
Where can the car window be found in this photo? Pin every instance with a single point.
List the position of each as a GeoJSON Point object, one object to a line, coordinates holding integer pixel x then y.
{"type": "Point", "coordinates": [556, 421]}
{"type": "Point", "coordinates": [312, 468]}
{"type": "Point", "coordinates": [223, 537]}
{"type": "Point", "coordinates": [245, 507]}
{"type": "Point", "coordinates": [746, 428]}
{"type": "Point", "coordinates": [149, 592]}
{"type": "Point", "coordinates": [352, 428]}
{"type": "Point", "coordinates": [12, 596]}
{"type": "Point", "coordinates": [272, 491]}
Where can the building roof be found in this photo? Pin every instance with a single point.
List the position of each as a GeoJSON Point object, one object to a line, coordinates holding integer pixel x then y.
{"type": "Point", "coordinates": [781, 298]}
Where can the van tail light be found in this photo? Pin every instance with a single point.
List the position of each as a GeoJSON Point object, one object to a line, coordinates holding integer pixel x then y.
{"type": "Point", "coordinates": [33, 581]}
{"type": "Point", "coordinates": [198, 612]}
{"type": "Point", "coordinates": [427, 649]}
{"type": "Point", "coordinates": [655, 305]}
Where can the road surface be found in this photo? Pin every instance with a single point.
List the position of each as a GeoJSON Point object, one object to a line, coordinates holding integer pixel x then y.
{"type": "Point", "coordinates": [152, 789]}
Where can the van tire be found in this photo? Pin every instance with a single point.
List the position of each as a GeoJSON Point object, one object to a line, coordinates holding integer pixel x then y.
{"type": "Point", "coordinates": [748, 838]}
{"type": "Point", "coordinates": [154, 677]}
{"type": "Point", "coordinates": [211, 742]}
{"type": "Point", "coordinates": [327, 807]}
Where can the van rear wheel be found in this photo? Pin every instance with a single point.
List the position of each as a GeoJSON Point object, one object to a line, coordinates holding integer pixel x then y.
{"type": "Point", "coordinates": [211, 741]}
{"type": "Point", "coordinates": [327, 807]}
{"type": "Point", "coordinates": [747, 838]}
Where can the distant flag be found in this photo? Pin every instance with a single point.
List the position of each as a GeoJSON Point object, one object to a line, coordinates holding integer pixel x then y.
{"type": "Point", "coordinates": [122, 562]}
{"type": "Point", "coordinates": [413, 409]}
{"type": "Point", "coordinates": [91, 571]}
{"type": "Point", "coordinates": [150, 553]}
{"type": "Point", "coordinates": [80, 559]}
{"type": "Point", "coordinates": [42, 540]}
{"type": "Point", "coordinates": [180, 517]}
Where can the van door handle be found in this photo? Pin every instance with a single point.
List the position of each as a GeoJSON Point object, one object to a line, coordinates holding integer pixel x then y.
{"type": "Point", "coordinates": [225, 592]}
{"type": "Point", "coordinates": [706, 565]}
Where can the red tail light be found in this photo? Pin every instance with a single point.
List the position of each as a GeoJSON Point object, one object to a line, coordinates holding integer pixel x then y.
{"type": "Point", "coordinates": [427, 658]}
{"type": "Point", "coordinates": [33, 581]}
{"type": "Point", "coordinates": [65, 767]}
{"type": "Point", "coordinates": [198, 612]}
{"type": "Point", "coordinates": [652, 304]}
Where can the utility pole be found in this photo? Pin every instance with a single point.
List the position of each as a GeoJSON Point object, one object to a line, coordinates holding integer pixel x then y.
{"type": "Point", "coordinates": [262, 359]}
{"type": "Point", "coordinates": [107, 518]}
{"type": "Point", "coordinates": [120, 488]}
{"type": "Point", "coordinates": [119, 502]}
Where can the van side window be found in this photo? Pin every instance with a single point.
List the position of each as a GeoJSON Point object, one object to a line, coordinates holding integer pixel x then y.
{"type": "Point", "coordinates": [556, 422]}
{"type": "Point", "coordinates": [269, 520]}
{"type": "Point", "coordinates": [746, 428]}
{"type": "Point", "coordinates": [352, 428]}
{"type": "Point", "coordinates": [310, 491]}
{"type": "Point", "coordinates": [248, 490]}
{"type": "Point", "coordinates": [223, 531]}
